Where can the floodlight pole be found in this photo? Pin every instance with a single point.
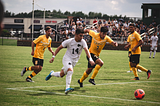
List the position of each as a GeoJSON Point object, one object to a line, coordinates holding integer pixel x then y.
{"type": "Point", "coordinates": [44, 22]}
{"type": "Point", "coordinates": [32, 20]}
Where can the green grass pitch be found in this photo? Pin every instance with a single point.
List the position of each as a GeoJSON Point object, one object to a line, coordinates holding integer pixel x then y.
{"type": "Point", "coordinates": [114, 85]}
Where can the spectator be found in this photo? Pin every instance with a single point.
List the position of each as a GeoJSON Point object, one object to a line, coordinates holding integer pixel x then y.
{"type": "Point", "coordinates": [95, 21]}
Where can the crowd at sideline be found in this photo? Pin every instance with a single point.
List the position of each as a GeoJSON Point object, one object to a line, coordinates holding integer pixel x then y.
{"type": "Point", "coordinates": [118, 29]}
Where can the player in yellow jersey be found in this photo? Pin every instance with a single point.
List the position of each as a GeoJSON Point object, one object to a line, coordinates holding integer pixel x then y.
{"type": "Point", "coordinates": [98, 42]}
{"type": "Point", "coordinates": [42, 42]}
{"type": "Point", "coordinates": [134, 42]}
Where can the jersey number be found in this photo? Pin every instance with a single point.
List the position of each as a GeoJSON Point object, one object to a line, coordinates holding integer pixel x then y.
{"type": "Point", "coordinates": [75, 50]}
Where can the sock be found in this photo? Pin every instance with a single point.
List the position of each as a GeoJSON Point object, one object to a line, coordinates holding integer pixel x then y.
{"type": "Point", "coordinates": [130, 68]}
{"type": "Point", "coordinates": [85, 75]}
{"type": "Point", "coordinates": [154, 53]}
{"type": "Point", "coordinates": [32, 75]}
{"type": "Point", "coordinates": [29, 68]}
{"type": "Point", "coordinates": [68, 79]}
{"type": "Point", "coordinates": [95, 71]}
{"type": "Point", "coordinates": [56, 74]}
{"type": "Point", "coordinates": [150, 53]}
{"type": "Point", "coordinates": [141, 68]}
{"type": "Point", "coordinates": [135, 71]}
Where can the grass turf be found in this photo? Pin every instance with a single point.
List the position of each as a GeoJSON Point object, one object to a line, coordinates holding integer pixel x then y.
{"type": "Point", "coordinates": [113, 88]}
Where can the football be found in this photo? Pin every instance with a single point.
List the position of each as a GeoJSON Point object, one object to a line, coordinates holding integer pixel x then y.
{"type": "Point", "coordinates": [139, 94]}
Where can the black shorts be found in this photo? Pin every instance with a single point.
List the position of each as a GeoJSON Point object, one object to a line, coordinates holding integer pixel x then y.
{"type": "Point", "coordinates": [129, 53]}
{"type": "Point", "coordinates": [94, 57]}
{"type": "Point", "coordinates": [135, 58]}
{"type": "Point", "coordinates": [37, 61]}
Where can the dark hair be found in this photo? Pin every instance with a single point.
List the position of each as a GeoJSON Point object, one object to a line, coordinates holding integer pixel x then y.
{"type": "Point", "coordinates": [78, 31]}
{"type": "Point", "coordinates": [47, 28]}
{"type": "Point", "coordinates": [132, 25]}
{"type": "Point", "coordinates": [1, 11]}
{"type": "Point", "coordinates": [104, 29]}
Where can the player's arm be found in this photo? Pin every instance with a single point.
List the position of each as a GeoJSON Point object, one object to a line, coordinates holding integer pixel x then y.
{"type": "Point", "coordinates": [56, 52]}
{"type": "Point", "coordinates": [32, 52]}
{"type": "Point", "coordinates": [50, 49]}
{"type": "Point", "coordinates": [86, 30]}
{"type": "Point", "coordinates": [139, 44]}
{"type": "Point", "coordinates": [89, 56]}
{"type": "Point", "coordinates": [114, 43]}
{"type": "Point", "coordinates": [127, 46]}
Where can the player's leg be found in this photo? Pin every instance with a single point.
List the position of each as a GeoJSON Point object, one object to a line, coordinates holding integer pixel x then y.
{"type": "Point", "coordinates": [151, 49]}
{"type": "Point", "coordinates": [134, 60]}
{"type": "Point", "coordinates": [155, 48]}
{"type": "Point", "coordinates": [99, 63]}
{"type": "Point", "coordinates": [88, 71]}
{"type": "Point", "coordinates": [84, 76]}
{"type": "Point", "coordinates": [38, 64]}
{"type": "Point", "coordinates": [130, 68]}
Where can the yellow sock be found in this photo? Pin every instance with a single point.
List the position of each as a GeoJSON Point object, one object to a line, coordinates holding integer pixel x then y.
{"type": "Point", "coordinates": [135, 71]}
{"type": "Point", "coordinates": [85, 75]}
{"type": "Point", "coordinates": [141, 68]}
{"type": "Point", "coordinates": [32, 75]}
{"type": "Point", "coordinates": [95, 71]}
{"type": "Point", "coordinates": [130, 68]}
{"type": "Point", "coordinates": [29, 68]}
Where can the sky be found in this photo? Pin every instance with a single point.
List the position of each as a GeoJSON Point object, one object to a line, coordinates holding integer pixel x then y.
{"type": "Point", "coordinates": [130, 8]}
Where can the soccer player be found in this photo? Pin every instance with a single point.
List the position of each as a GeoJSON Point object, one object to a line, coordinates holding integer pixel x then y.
{"type": "Point", "coordinates": [153, 44]}
{"type": "Point", "coordinates": [71, 57]}
{"type": "Point", "coordinates": [42, 42]}
{"type": "Point", "coordinates": [98, 42]}
{"type": "Point", "coordinates": [1, 15]}
{"type": "Point", "coordinates": [129, 54]}
{"type": "Point", "coordinates": [134, 41]}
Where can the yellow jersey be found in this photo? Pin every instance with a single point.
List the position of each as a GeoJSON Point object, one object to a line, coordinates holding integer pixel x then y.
{"type": "Point", "coordinates": [41, 44]}
{"type": "Point", "coordinates": [133, 40]}
{"type": "Point", "coordinates": [97, 43]}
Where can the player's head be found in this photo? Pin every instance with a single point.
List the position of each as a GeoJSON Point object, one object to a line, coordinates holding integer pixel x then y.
{"type": "Point", "coordinates": [79, 34]}
{"type": "Point", "coordinates": [1, 15]}
{"type": "Point", "coordinates": [131, 27]}
{"type": "Point", "coordinates": [48, 30]}
{"type": "Point", "coordinates": [103, 32]}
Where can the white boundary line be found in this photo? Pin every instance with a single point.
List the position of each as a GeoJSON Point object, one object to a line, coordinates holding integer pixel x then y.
{"type": "Point", "coordinates": [21, 89]}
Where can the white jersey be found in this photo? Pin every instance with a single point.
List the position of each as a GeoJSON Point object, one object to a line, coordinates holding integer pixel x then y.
{"type": "Point", "coordinates": [154, 40]}
{"type": "Point", "coordinates": [74, 48]}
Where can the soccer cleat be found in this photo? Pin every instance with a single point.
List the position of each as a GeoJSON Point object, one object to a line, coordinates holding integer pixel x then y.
{"type": "Point", "coordinates": [149, 57]}
{"type": "Point", "coordinates": [139, 70]}
{"type": "Point", "coordinates": [81, 84]}
{"type": "Point", "coordinates": [149, 73]}
{"type": "Point", "coordinates": [23, 71]}
{"type": "Point", "coordinates": [153, 57]}
{"type": "Point", "coordinates": [29, 80]}
{"type": "Point", "coordinates": [49, 76]}
{"type": "Point", "coordinates": [68, 90]}
{"type": "Point", "coordinates": [92, 81]}
{"type": "Point", "coordinates": [136, 78]}
{"type": "Point", "coordinates": [129, 71]}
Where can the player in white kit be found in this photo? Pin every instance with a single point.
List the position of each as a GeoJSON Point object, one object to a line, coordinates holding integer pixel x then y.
{"type": "Point", "coordinates": [153, 44]}
{"type": "Point", "coordinates": [71, 57]}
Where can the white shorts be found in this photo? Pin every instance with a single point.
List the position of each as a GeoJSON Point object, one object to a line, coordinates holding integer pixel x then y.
{"type": "Point", "coordinates": [67, 63]}
{"type": "Point", "coordinates": [153, 48]}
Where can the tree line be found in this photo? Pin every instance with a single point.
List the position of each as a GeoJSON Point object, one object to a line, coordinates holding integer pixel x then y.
{"type": "Point", "coordinates": [60, 14]}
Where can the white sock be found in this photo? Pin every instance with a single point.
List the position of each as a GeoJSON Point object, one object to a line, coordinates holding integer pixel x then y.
{"type": "Point", "coordinates": [154, 53]}
{"type": "Point", "coordinates": [56, 74]}
{"type": "Point", "coordinates": [150, 53]}
{"type": "Point", "coordinates": [68, 79]}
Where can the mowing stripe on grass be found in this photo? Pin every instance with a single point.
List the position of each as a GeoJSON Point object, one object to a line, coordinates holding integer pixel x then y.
{"type": "Point", "coordinates": [21, 89]}
{"type": "Point", "coordinates": [88, 96]}
{"type": "Point", "coordinates": [84, 84]}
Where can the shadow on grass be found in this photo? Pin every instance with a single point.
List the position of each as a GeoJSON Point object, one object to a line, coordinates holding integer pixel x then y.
{"type": "Point", "coordinates": [54, 92]}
